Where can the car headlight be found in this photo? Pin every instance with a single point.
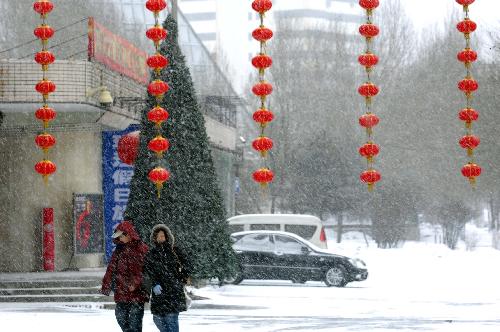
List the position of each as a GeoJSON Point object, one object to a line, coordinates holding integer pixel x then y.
{"type": "Point", "coordinates": [357, 263]}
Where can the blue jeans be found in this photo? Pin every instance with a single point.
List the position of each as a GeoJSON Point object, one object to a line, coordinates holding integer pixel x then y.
{"type": "Point", "coordinates": [129, 316]}
{"type": "Point", "coordinates": [167, 323]}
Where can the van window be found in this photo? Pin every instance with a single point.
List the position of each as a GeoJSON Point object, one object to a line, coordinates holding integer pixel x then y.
{"type": "Point", "coordinates": [265, 227]}
{"type": "Point", "coordinates": [236, 228]}
{"type": "Point", "coordinates": [304, 231]}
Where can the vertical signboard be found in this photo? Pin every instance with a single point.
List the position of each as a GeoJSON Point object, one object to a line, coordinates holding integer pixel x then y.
{"type": "Point", "coordinates": [88, 228]}
{"type": "Point", "coordinates": [116, 182]}
{"type": "Point", "coordinates": [48, 239]}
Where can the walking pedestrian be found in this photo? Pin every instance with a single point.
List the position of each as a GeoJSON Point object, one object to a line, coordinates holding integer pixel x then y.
{"type": "Point", "coordinates": [168, 271]}
{"type": "Point", "coordinates": [124, 276]}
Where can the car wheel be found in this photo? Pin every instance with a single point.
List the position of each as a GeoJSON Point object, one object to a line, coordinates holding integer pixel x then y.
{"type": "Point", "coordinates": [335, 276]}
{"type": "Point", "coordinates": [235, 280]}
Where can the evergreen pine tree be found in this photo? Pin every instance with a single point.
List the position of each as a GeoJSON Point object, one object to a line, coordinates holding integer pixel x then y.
{"type": "Point", "coordinates": [191, 204]}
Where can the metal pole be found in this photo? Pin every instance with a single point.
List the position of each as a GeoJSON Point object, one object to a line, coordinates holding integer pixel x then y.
{"type": "Point", "coordinates": [174, 9]}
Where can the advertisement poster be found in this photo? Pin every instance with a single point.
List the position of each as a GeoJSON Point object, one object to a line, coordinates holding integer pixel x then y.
{"type": "Point", "coordinates": [116, 182]}
{"type": "Point", "coordinates": [88, 227]}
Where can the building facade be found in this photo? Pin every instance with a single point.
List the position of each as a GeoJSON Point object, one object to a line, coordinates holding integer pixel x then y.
{"type": "Point", "coordinates": [82, 119]}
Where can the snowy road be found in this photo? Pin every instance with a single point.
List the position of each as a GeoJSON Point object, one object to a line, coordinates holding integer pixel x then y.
{"type": "Point", "coordinates": [418, 288]}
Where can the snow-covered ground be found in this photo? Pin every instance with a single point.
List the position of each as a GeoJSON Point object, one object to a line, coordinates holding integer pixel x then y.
{"type": "Point", "coordinates": [421, 286]}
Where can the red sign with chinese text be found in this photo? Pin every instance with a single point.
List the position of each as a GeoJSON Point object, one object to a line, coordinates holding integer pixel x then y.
{"type": "Point", "coordinates": [117, 53]}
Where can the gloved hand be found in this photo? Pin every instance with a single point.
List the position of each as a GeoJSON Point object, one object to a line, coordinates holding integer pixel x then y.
{"type": "Point", "coordinates": [157, 289]}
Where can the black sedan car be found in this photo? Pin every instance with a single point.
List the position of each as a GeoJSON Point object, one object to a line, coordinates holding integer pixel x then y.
{"type": "Point", "coordinates": [286, 256]}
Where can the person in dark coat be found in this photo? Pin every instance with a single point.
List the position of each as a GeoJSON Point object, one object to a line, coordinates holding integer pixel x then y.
{"type": "Point", "coordinates": [124, 276]}
{"type": "Point", "coordinates": [168, 271]}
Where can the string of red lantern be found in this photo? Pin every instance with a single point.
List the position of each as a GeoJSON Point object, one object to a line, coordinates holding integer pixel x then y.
{"type": "Point", "coordinates": [468, 85]}
{"type": "Point", "coordinates": [157, 88]}
{"type": "Point", "coordinates": [45, 87]}
{"type": "Point", "coordinates": [262, 89]}
{"type": "Point", "coordinates": [369, 90]}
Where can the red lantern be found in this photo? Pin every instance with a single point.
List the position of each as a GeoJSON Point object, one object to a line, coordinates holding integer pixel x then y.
{"type": "Point", "coordinates": [45, 114]}
{"type": "Point", "coordinates": [468, 85]}
{"type": "Point", "coordinates": [43, 32]}
{"type": "Point", "coordinates": [45, 168]}
{"type": "Point", "coordinates": [45, 58]}
{"type": "Point", "coordinates": [369, 150]}
{"type": "Point", "coordinates": [159, 145]}
{"type": "Point", "coordinates": [263, 116]}
{"type": "Point", "coordinates": [128, 146]}
{"type": "Point", "coordinates": [368, 60]}
{"type": "Point", "coordinates": [157, 62]}
{"type": "Point", "coordinates": [368, 120]}
{"type": "Point", "coordinates": [468, 115]}
{"type": "Point", "coordinates": [158, 176]}
{"type": "Point", "coordinates": [262, 144]}
{"type": "Point", "coordinates": [263, 176]}
{"type": "Point", "coordinates": [466, 26]}
{"type": "Point", "coordinates": [369, 30]}
{"type": "Point", "coordinates": [262, 61]}
{"type": "Point", "coordinates": [370, 177]}
{"type": "Point", "coordinates": [156, 33]}
{"type": "Point", "coordinates": [467, 55]}
{"type": "Point", "coordinates": [261, 6]}
{"type": "Point", "coordinates": [465, 2]}
{"type": "Point", "coordinates": [157, 88]}
{"type": "Point", "coordinates": [156, 5]}
{"type": "Point", "coordinates": [262, 34]}
{"type": "Point", "coordinates": [45, 87]}
{"type": "Point", "coordinates": [471, 171]}
{"type": "Point", "coordinates": [469, 142]}
{"type": "Point", "coordinates": [368, 90]}
{"type": "Point", "coordinates": [262, 89]}
{"type": "Point", "coordinates": [43, 7]}
{"type": "Point", "coordinates": [158, 115]}
{"type": "Point", "coordinates": [45, 141]}
{"type": "Point", "coordinates": [369, 4]}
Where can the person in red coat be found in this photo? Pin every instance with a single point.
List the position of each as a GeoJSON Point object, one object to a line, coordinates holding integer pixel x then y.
{"type": "Point", "coordinates": [124, 276]}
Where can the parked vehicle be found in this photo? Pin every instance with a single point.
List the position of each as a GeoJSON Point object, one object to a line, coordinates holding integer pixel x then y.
{"type": "Point", "coordinates": [287, 256]}
{"type": "Point", "coordinates": [305, 226]}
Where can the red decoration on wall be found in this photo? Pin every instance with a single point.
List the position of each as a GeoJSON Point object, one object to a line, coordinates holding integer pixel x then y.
{"type": "Point", "coordinates": [45, 114]}
{"type": "Point", "coordinates": [128, 146]}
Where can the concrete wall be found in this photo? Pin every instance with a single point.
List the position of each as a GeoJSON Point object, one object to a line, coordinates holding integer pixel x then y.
{"type": "Point", "coordinates": [23, 195]}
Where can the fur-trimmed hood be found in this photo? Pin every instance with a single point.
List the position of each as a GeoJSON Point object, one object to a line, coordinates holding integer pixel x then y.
{"type": "Point", "coordinates": [166, 230]}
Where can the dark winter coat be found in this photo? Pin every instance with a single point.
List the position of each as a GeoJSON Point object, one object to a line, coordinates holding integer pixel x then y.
{"type": "Point", "coordinates": [126, 268]}
{"type": "Point", "coordinates": [166, 266]}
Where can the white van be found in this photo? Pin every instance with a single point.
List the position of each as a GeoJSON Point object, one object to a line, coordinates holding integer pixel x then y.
{"type": "Point", "coordinates": [305, 226]}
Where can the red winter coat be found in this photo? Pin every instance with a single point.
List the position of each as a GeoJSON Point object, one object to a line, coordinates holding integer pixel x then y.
{"type": "Point", "coordinates": [125, 268]}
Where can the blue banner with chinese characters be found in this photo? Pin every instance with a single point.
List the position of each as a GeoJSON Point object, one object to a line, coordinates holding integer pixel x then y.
{"type": "Point", "coordinates": [116, 179]}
